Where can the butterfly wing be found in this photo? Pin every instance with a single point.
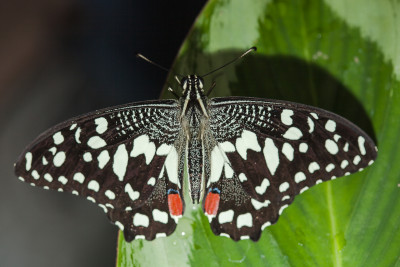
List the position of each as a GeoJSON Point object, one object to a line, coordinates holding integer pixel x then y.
{"type": "Point", "coordinates": [117, 158]}
{"type": "Point", "coordinates": [268, 152]}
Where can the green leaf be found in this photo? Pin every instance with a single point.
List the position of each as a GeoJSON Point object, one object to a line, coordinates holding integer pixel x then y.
{"type": "Point", "coordinates": [340, 55]}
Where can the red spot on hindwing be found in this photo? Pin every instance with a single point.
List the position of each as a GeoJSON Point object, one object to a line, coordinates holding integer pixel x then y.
{"type": "Point", "coordinates": [175, 204]}
{"type": "Point", "coordinates": [212, 203]}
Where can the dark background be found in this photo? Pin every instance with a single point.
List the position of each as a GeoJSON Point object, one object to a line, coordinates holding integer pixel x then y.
{"type": "Point", "coordinates": [58, 59]}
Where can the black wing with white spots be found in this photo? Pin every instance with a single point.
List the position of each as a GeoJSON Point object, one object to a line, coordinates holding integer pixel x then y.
{"type": "Point", "coordinates": [119, 158]}
{"type": "Point", "coordinates": [247, 158]}
{"type": "Point", "coordinates": [268, 152]}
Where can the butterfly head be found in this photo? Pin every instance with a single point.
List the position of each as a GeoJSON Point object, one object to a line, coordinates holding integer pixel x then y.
{"type": "Point", "coordinates": [192, 84]}
{"type": "Point", "coordinates": [192, 89]}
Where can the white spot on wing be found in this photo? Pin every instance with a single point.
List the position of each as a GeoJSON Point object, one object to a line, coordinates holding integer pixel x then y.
{"type": "Point", "coordinates": [48, 177]}
{"type": "Point", "coordinates": [142, 145]}
{"type": "Point", "coordinates": [361, 143]}
{"type": "Point", "coordinates": [63, 180]}
{"type": "Point", "coordinates": [344, 164]}
{"type": "Point", "coordinates": [73, 126]}
{"type": "Point", "coordinates": [132, 194]}
{"type": "Point", "coordinates": [35, 174]}
{"type": "Point", "coordinates": [140, 220]}
{"type": "Point", "coordinates": [87, 157]}
{"type": "Point", "coordinates": [53, 150]}
{"type": "Point", "coordinates": [314, 115]}
{"type": "Point", "coordinates": [217, 163]}
{"type": "Point", "coordinates": [331, 146]}
{"type": "Point", "coordinates": [225, 216]}
{"type": "Point", "coordinates": [288, 150]}
{"type": "Point", "coordinates": [228, 170]}
{"type": "Point", "coordinates": [93, 185]}
{"type": "Point", "coordinates": [58, 138]}
{"type": "Point", "coordinates": [162, 172]}
{"type": "Point", "coordinates": [248, 140]}
{"type": "Point", "coordinates": [103, 207]}
{"type": "Point", "coordinates": [96, 142]}
{"type": "Point", "coordinates": [78, 135]}
{"type": "Point", "coordinates": [163, 150]}
{"type": "Point", "coordinates": [263, 187]}
{"type": "Point", "coordinates": [59, 159]}
{"type": "Point", "coordinates": [225, 235]}
{"type": "Point", "coordinates": [258, 205]}
{"type": "Point", "coordinates": [227, 147]}
{"type": "Point", "coordinates": [293, 133]}
{"type": "Point", "coordinates": [160, 216]}
{"type": "Point", "coordinates": [356, 160]}
{"type": "Point", "coordinates": [244, 220]}
{"type": "Point", "coordinates": [120, 225]}
{"type": "Point", "coordinates": [283, 187]}
{"type": "Point", "coordinates": [330, 126]}
{"type": "Point", "coordinates": [102, 125]}
{"type": "Point", "coordinates": [286, 116]}
{"type": "Point", "coordinates": [242, 177]}
{"type": "Point", "coordinates": [120, 162]}
{"type": "Point", "coordinates": [313, 167]}
{"type": "Point", "coordinates": [299, 177]}
{"type": "Point", "coordinates": [329, 167]}
{"type": "Point", "coordinates": [265, 225]}
{"type": "Point", "coordinates": [346, 147]}
{"type": "Point", "coordinates": [282, 208]}
{"type": "Point", "coordinates": [103, 158]}
{"type": "Point", "coordinates": [28, 158]}
{"type": "Point", "coordinates": [79, 177]}
{"type": "Point", "coordinates": [303, 147]}
{"type": "Point", "coordinates": [151, 181]}
{"type": "Point", "coordinates": [171, 164]}
{"type": "Point", "coordinates": [271, 155]}
{"type": "Point", "coordinates": [110, 194]}
{"type": "Point", "coordinates": [304, 189]}
{"type": "Point", "coordinates": [158, 235]}
{"type": "Point", "coordinates": [310, 125]}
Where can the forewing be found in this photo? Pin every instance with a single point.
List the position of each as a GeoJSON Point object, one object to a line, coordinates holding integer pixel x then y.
{"type": "Point", "coordinates": [272, 151]}
{"type": "Point", "coordinates": [114, 157]}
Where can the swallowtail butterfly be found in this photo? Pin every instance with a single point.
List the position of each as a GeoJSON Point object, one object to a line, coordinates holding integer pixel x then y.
{"type": "Point", "coordinates": [247, 158]}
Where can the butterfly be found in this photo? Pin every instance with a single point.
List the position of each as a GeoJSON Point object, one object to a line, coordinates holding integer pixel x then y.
{"type": "Point", "coordinates": [246, 159]}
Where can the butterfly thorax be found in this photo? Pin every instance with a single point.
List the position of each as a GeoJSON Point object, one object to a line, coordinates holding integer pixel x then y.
{"type": "Point", "coordinates": [193, 118]}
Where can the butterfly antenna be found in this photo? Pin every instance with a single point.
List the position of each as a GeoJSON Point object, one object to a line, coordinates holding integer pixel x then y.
{"type": "Point", "coordinates": [230, 62]}
{"type": "Point", "coordinates": [151, 62]}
